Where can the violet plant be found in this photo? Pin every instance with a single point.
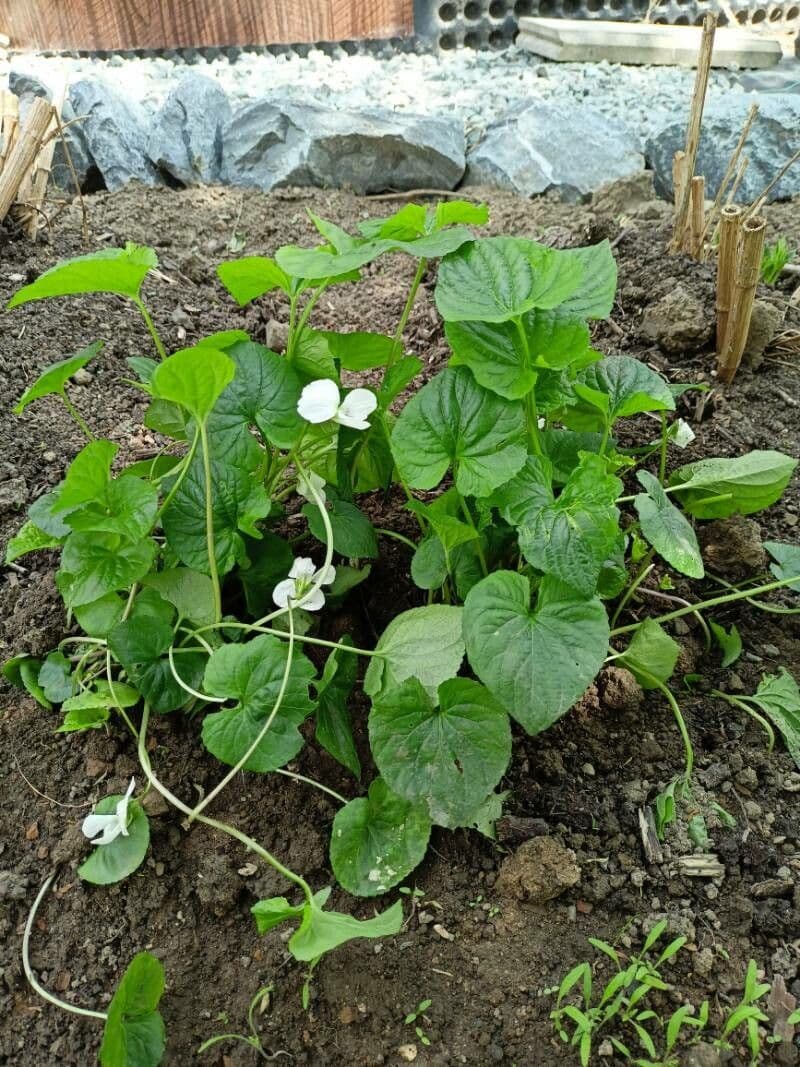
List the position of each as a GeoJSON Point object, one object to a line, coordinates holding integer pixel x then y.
{"type": "Point", "coordinates": [185, 598]}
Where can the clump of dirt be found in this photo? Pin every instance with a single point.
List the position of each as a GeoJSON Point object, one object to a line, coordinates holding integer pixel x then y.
{"type": "Point", "coordinates": [583, 783]}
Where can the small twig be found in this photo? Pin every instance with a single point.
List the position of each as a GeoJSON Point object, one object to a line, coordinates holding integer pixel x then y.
{"type": "Point", "coordinates": [74, 175]}
{"type": "Point", "coordinates": [730, 173]}
{"type": "Point", "coordinates": [761, 199]}
{"type": "Point", "coordinates": [409, 194]}
{"type": "Point", "coordinates": [44, 796]}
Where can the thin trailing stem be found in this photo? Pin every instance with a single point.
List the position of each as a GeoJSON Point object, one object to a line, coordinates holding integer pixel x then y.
{"type": "Point", "coordinates": [26, 960]}
{"type": "Point", "coordinates": [642, 573]}
{"type": "Point", "coordinates": [296, 330]}
{"type": "Point", "coordinates": [311, 782]}
{"type": "Point", "coordinates": [701, 622]}
{"type": "Point", "coordinates": [662, 461]}
{"type": "Point", "coordinates": [712, 603]}
{"type": "Point", "coordinates": [225, 828]}
{"type": "Point", "coordinates": [185, 685]}
{"type": "Point", "coordinates": [241, 763]}
{"type": "Point", "coordinates": [478, 546]}
{"type": "Point", "coordinates": [151, 327]}
{"type": "Point", "coordinates": [396, 537]}
{"type": "Point", "coordinates": [673, 703]}
{"type": "Point", "coordinates": [76, 415]}
{"type": "Point", "coordinates": [397, 347]}
{"type": "Point", "coordinates": [772, 609]}
{"type": "Point", "coordinates": [210, 541]}
{"type": "Point", "coordinates": [252, 627]}
{"type": "Point", "coordinates": [187, 459]}
{"type": "Point", "coordinates": [743, 704]}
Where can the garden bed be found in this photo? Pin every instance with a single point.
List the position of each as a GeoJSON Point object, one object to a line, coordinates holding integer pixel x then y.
{"type": "Point", "coordinates": [479, 955]}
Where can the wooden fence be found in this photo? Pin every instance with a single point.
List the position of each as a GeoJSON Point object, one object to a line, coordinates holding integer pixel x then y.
{"type": "Point", "coordinates": [109, 25]}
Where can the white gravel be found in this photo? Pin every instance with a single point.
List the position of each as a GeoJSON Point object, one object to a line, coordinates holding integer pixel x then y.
{"type": "Point", "coordinates": [477, 86]}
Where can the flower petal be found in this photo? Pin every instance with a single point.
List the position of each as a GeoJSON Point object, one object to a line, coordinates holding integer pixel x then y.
{"type": "Point", "coordinates": [122, 814]}
{"type": "Point", "coordinates": [304, 486]}
{"type": "Point", "coordinates": [328, 575]}
{"type": "Point", "coordinates": [319, 401]}
{"type": "Point", "coordinates": [313, 601]}
{"type": "Point", "coordinates": [355, 408]}
{"type": "Point", "coordinates": [106, 826]}
{"type": "Point", "coordinates": [282, 591]}
{"type": "Point", "coordinates": [303, 567]}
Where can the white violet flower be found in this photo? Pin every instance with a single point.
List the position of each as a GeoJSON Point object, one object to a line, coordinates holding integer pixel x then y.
{"type": "Point", "coordinates": [103, 829]}
{"type": "Point", "coordinates": [321, 401]}
{"type": "Point", "coordinates": [305, 485]}
{"type": "Point", "coordinates": [302, 577]}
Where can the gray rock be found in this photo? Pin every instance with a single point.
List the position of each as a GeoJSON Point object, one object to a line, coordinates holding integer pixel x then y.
{"type": "Point", "coordinates": [186, 140]}
{"type": "Point", "coordinates": [28, 88]}
{"type": "Point", "coordinates": [772, 142]}
{"type": "Point", "coordinates": [268, 144]}
{"type": "Point", "coordinates": [116, 133]}
{"type": "Point", "coordinates": [26, 85]}
{"type": "Point", "coordinates": [541, 146]}
{"type": "Point", "coordinates": [785, 78]}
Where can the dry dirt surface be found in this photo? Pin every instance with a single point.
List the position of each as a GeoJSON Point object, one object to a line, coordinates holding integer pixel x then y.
{"type": "Point", "coordinates": [481, 948]}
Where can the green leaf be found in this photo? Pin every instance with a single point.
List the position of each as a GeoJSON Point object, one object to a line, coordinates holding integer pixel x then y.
{"type": "Point", "coordinates": [322, 931]}
{"type": "Point", "coordinates": [406, 224]}
{"type": "Point", "coordinates": [190, 592]}
{"type": "Point", "coordinates": [400, 375]}
{"type": "Point", "coordinates": [223, 339]}
{"type": "Point", "coordinates": [526, 494]}
{"type": "Point", "coordinates": [29, 538]}
{"type": "Point", "coordinates": [319, 264]}
{"type": "Point", "coordinates": [621, 386]}
{"type": "Point", "coordinates": [377, 840]}
{"type": "Point", "coordinates": [504, 356]}
{"type": "Point", "coordinates": [270, 560]}
{"type": "Point", "coordinates": [463, 212]}
{"type": "Point", "coordinates": [447, 758]}
{"type": "Point", "coordinates": [169, 419]}
{"type": "Point", "coordinates": [668, 531]}
{"type": "Point", "coordinates": [353, 534]}
{"type": "Point", "coordinates": [334, 730]}
{"type": "Point", "coordinates": [271, 913]}
{"type": "Point", "coordinates": [248, 278]}
{"type": "Point", "coordinates": [126, 506]}
{"type": "Point", "coordinates": [786, 565]}
{"type": "Point", "coordinates": [425, 643]}
{"type": "Point", "coordinates": [729, 641]}
{"type": "Point", "coordinates": [563, 448]}
{"type": "Point", "coordinates": [716, 488]}
{"type": "Point", "coordinates": [312, 357]}
{"type": "Point", "coordinates": [121, 857]}
{"type": "Point", "coordinates": [454, 421]}
{"type": "Point", "coordinates": [134, 1033]}
{"type": "Point", "coordinates": [140, 644]}
{"type": "Point", "coordinates": [573, 536]}
{"type": "Point", "coordinates": [87, 477]}
{"type": "Point", "coordinates": [252, 674]}
{"type": "Point", "coordinates": [238, 502]}
{"type": "Point", "coordinates": [79, 719]}
{"type": "Point", "coordinates": [779, 698]}
{"type": "Point", "coordinates": [93, 564]}
{"type": "Point", "coordinates": [99, 617]}
{"type": "Point", "coordinates": [594, 296]}
{"type": "Point", "coordinates": [263, 393]}
{"type": "Point", "coordinates": [498, 278]}
{"type": "Point", "coordinates": [537, 663]}
{"type": "Point", "coordinates": [23, 672]}
{"type": "Point", "coordinates": [194, 378]}
{"type": "Point", "coordinates": [359, 351]}
{"type": "Point", "coordinates": [55, 678]}
{"type": "Point", "coordinates": [651, 656]}
{"type": "Point", "coordinates": [112, 270]}
{"type": "Point", "coordinates": [55, 377]}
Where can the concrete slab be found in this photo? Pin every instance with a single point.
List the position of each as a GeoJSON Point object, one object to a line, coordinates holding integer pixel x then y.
{"type": "Point", "coordinates": [584, 41]}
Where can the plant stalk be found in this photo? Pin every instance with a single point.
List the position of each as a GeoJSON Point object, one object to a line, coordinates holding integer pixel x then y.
{"type": "Point", "coordinates": [151, 327]}
{"type": "Point", "coordinates": [210, 541]}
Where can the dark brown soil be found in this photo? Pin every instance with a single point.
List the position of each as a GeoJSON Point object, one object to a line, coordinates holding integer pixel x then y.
{"type": "Point", "coordinates": [582, 783]}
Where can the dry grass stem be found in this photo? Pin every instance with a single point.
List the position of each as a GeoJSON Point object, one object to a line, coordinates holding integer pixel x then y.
{"type": "Point", "coordinates": [748, 272]}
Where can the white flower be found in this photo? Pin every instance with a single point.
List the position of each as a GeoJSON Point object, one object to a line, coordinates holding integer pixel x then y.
{"type": "Point", "coordinates": [306, 484]}
{"type": "Point", "coordinates": [682, 434]}
{"type": "Point", "coordinates": [103, 829]}
{"type": "Point", "coordinates": [302, 578]}
{"type": "Point", "coordinates": [321, 401]}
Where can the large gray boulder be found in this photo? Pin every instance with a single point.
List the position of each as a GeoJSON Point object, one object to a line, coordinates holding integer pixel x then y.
{"type": "Point", "coordinates": [186, 137]}
{"type": "Point", "coordinates": [116, 133]}
{"type": "Point", "coordinates": [773, 140]}
{"type": "Point", "coordinates": [269, 144]}
{"type": "Point", "coordinates": [27, 87]}
{"type": "Point", "coordinates": [541, 146]}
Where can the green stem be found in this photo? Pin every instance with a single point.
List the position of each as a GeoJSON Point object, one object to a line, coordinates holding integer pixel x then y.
{"type": "Point", "coordinates": [79, 419]}
{"type": "Point", "coordinates": [397, 347]}
{"type": "Point", "coordinates": [397, 537]}
{"type": "Point", "coordinates": [26, 960]}
{"type": "Point", "coordinates": [644, 570]}
{"type": "Point", "coordinates": [478, 546]}
{"type": "Point", "coordinates": [151, 328]}
{"type": "Point", "coordinates": [713, 603]}
{"type": "Point", "coordinates": [253, 627]}
{"type": "Point", "coordinates": [296, 332]}
{"type": "Point", "coordinates": [210, 543]}
{"type": "Point", "coordinates": [673, 703]}
{"type": "Point", "coordinates": [739, 702]}
{"type": "Point", "coordinates": [662, 463]}
{"type": "Point", "coordinates": [531, 411]}
{"type": "Point", "coordinates": [772, 609]}
{"type": "Point", "coordinates": [225, 828]}
{"type": "Point", "coordinates": [181, 475]}
{"type": "Point", "coordinates": [311, 782]}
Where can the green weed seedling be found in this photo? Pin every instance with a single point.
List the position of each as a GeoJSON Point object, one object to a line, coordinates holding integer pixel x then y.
{"type": "Point", "coordinates": [187, 599]}
{"type": "Point", "coordinates": [774, 259]}
{"type": "Point", "coordinates": [416, 1018]}
{"type": "Point", "coordinates": [258, 1005]}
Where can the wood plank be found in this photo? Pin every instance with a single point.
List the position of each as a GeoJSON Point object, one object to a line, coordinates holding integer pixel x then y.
{"type": "Point", "coordinates": [116, 25]}
{"type": "Point", "coordinates": [585, 41]}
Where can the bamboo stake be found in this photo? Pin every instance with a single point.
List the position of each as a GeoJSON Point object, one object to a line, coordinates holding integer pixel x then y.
{"type": "Point", "coordinates": [9, 124]}
{"type": "Point", "coordinates": [748, 271]}
{"type": "Point", "coordinates": [730, 172]}
{"type": "Point", "coordinates": [693, 129]}
{"type": "Point", "coordinates": [726, 269]}
{"type": "Point", "coordinates": [40, 174]}
{"type": "Point", "coordinates": [761, 199]}
{"type": "Point", "coordinates": [697, 218]}
{"type": "Point", "coordinates": [678, 175]}
{"type": "Point", "coordinates": [23, 154]}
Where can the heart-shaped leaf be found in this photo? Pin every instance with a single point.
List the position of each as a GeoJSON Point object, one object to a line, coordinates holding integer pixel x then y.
{"type": "Point", "coordinates": [248, 278]}
{"type": "Point", "coordinates": [252, 675]}
{"type": "Point", "coordinates": [538, 662]}
{"type": "Point", "coordinates": [190, 592]}
{"type": "Point", "coordinates": [377, 840]}
{"type": "Point", "coordinates": [651, 656]}
{"type": "Point", "coordinates": [111, 270]}
{"type": "Point", "coordinates": [447, 758]}
{"type": "Point", "coordinates": [29, 538]}
{"type": "Point", "coordinates": [140, 644]}
{"type": "Point", "coordinates": [453, 421]}
{"type": "Point", "coordinates": [353, 534]}
{"type": "Point", "coordinates": [425, 643]}
{"type": "Point", "coordinates": [530, 490]}
{"type": "Point", "coordinates": [121, 857]}
{"type": "Point", "coordinates": [194, 378]}
{"type": "Point", "coordinates": [93, 564]}
{"type": "Point", "coordinates": [618, 387]}
{"type": "Point", "coordinates": [134, 1033]}
{"type": "Point", "coordinates": [667, 529]}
